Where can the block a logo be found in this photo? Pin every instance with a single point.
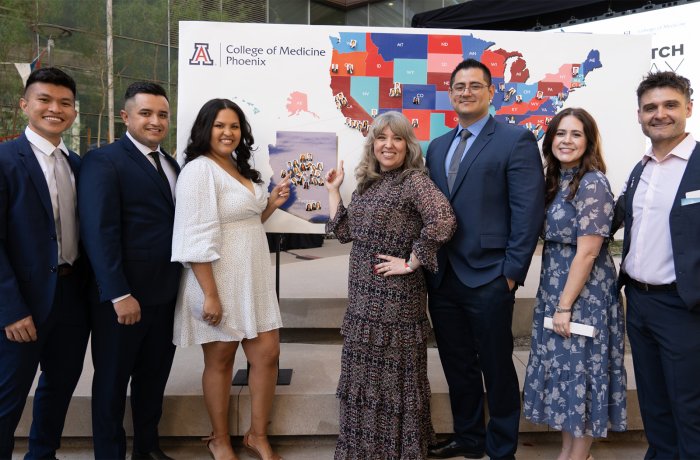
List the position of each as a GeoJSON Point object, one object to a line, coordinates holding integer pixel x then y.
{"type": "Point", "coordinates": [201, 55]}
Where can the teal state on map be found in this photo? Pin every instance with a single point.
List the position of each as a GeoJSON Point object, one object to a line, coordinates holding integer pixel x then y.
{"type": "Point", "coordinates": [373, 73]}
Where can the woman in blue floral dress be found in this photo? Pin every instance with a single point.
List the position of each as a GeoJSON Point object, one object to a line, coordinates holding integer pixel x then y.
{"type": "Point", "coordinates": [574, 383]}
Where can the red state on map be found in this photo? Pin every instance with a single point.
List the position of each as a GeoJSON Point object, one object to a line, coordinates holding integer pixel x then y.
{"type": "Point", "coordinates": [550, 88]}
{"type": "Point", "coordinates": [564, 75]}
{"type": "Point", "coordinates": [298, 102]}
{"type": "Point", "coordinates": [353, 109]}
{"type": "Point", "coordinates": [451, 119]}
{"type": "Point", "coordinates": [348, 64]}
{"type": "Point", "coordinates": [496, 63]}
{"type": "Point", "coordinates": [444, 44]}
{"type": "Point", "coordinates": [519, 72]}
{"type": "Point", "coordinates": [440, 80]}
{"type": "Point", "coordinates": [423, 118]}
{"type": "Point", "coordinates": [516, 108]}
{"type": "Point", "coordinates": [385, 100]}
{"type": "Point", "coordinates": [376, 66]}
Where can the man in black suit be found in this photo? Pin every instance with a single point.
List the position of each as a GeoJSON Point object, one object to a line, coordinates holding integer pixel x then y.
{"type": "Point", "coordinates": [492, 174]}
{"type": "Point", "coordinates": [43, 306]}
{"type": "Point", "coordinates": [661, 269]}
{"type": "Point", "coordinates": [127, 211]}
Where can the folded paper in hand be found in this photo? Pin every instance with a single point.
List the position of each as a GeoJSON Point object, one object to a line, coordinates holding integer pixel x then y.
{"type": "Point", "coordinates": [574, 328]}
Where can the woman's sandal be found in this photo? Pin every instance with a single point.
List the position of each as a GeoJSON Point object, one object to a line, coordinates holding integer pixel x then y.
{"type": "Point", "coordinates": [253, 450]}
{"type": "Point", "coordinates": [208, 440]}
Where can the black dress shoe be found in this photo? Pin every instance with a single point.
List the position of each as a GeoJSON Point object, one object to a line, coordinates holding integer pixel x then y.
{"type": "Point", "coordinates": [451, 448]}
{"type": "Point", "coordinates": [155, 454]}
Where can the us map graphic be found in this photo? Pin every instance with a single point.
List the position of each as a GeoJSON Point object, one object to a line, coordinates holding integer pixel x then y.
{"type": "Point", "coordinates": [372, 73]}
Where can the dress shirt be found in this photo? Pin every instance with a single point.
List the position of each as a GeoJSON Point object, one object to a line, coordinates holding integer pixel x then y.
{"type": "Point", "coordinates": [475, 128]}
{"type": "Point", "coordinates": [169, 171]}
{"type": "Point", "coordinates": [42, 149]}
{"type": "Point", "coordinates": [650, 256]}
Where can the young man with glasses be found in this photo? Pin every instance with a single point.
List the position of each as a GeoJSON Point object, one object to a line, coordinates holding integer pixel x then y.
{"type": "Point", "coordinates": [492, 174]}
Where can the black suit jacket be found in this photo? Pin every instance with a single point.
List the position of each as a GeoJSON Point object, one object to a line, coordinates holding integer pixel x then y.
{"type": "Point", "coordinates": [127, 214]}
{"type": "Point", "coordinates": [28, 243]}
{"type": "Point", "coordinates": [684, 222]}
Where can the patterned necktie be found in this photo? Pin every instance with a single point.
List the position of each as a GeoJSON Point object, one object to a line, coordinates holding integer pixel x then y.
{"type": "Point", "coordinates": [457, 158]}
{"type": "Point", "coordinates": [159, 167]}
{"type": "Point", "coordinates": [67, 225]}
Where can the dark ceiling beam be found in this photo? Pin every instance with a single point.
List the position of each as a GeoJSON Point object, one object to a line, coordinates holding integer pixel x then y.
{"type": "Point", "coordinates": [345, 5]}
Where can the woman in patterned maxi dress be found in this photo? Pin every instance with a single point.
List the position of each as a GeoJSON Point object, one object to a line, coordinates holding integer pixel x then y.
{"type": "Point", "coordinates": [226, 296]}
{"type": "Point", "coordinates": [397, 219]}
{"type": "Point", "coordinates": [574, 383]}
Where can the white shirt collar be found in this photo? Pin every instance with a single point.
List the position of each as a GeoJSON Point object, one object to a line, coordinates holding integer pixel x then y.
{"type": "Point", "coordinates": [682, 150]}
{"type": "Point", "coordinates": [42, 144]}
{"type": "Point", "coordinates": [142, 148]}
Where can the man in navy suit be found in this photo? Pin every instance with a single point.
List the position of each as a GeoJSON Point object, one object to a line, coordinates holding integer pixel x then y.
{"type": "Point", "coordinates": [661, 269]}
{"type": "Point", "coordinates": [43, 277]}
{"type": "Point", "coordinates": [126, 200]}
{"type": "Point", "coordinates": [492, 174]}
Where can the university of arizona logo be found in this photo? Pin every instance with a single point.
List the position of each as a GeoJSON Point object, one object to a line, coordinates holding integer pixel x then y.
{"type": "Point", "coordinates": [201, 55]}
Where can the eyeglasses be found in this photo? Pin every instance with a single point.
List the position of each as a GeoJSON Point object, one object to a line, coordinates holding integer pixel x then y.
{"type": "Point", "coordinates": [473, 88]}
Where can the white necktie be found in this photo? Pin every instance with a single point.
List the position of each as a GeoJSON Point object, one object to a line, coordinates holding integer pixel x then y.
{"type": "Point", "coordinates": [67, 225]}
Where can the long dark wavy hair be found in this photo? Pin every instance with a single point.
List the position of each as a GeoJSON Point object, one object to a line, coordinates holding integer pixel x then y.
{"type": "Point", "coordinates": [199, 143]}
{"type": "Point", "coordinates": [592, 159]}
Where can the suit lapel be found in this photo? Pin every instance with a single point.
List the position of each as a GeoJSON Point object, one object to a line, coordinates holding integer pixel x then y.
{"type": "Point", "coordinates": [690, 176]}
{"type": "Point", "coordinates": [36, 174]}
{"type": "Point", "coordinates": [140, 159]}
{"type": "Point", "coordinates": [629, 199]}
{"type": "Point", "coordinates": [474, 151]}
{"type": "Point", "coordinates": [441, 150]}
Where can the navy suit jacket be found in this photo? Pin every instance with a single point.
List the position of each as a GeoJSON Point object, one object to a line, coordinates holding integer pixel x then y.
{"type": "Point", "coordinates": [127, 214]}
{"type": "Point", "coordinates": [498, 199]}
{"type": "Point", "coordinates": [684, 222]}
{"type": "Point", "coordinates": [28, 244]}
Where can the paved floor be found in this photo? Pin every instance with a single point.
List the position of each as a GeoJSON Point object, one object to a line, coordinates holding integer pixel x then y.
{"type": "Point", "coordinates": [533, 446]}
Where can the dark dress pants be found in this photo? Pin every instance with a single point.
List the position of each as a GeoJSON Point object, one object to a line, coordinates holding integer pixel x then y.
{"type": "Point", "coordinates": [60, 351]}
{"type": "Point", "coordinates": [474, 336]}
{"type": "Point", "coordinates": [665, 341]}
{"type": "Point", "coordinates": [142, 352]}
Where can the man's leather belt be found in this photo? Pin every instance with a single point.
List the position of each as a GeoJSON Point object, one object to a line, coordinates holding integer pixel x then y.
{"type": "Point", "coordinates": [652, 287]}
{"type": "Point", "coordinates": [65, 270]}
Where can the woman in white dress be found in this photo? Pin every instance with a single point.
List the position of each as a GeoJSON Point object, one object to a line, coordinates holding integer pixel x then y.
{"type": "Point", "coordinates": [226, 295]}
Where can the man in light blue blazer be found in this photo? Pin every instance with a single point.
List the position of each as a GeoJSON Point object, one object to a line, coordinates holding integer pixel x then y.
{"type": "Point", "coordinates": [492, 174]}
{"type": "Point", "coordinates": [43, 275]}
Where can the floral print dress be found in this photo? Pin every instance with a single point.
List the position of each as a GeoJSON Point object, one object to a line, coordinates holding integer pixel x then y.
{"type": "Point", "coordinates": [578, 385]}
{"type": "Point", "coordinates": [383, 389]}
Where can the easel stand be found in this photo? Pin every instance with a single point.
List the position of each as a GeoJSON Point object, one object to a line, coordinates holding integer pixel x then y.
{"type": "Point", "coordinates": [284, 376]}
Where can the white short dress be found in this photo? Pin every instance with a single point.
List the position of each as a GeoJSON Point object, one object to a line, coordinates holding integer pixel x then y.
{"type": "Point", "coordinates": [217, 220]}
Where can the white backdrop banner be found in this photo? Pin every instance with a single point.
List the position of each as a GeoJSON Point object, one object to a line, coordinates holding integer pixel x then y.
{"type": "Point", "coordinates": [311, 91]}
{"type": "Point", "coordinates": [675, 41]}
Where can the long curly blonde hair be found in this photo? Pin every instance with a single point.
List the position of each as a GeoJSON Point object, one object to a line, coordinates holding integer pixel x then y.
{"type": "Point", "coordinates": [368, 171]}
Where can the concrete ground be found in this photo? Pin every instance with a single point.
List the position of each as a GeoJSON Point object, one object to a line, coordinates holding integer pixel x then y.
{"type": "Point", "coordinates": [533, 446]}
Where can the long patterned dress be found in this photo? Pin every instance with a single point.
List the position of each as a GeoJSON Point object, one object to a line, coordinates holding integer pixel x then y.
{"type": "Point", "coordinates": [383, 390]}
{"type": "Point", "coordinates": [578, 385]}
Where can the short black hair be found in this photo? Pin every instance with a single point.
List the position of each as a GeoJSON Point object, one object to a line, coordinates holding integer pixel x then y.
{"type": "Point", "coordinates": [665, 79]}
{"type": "Point", "coordinates": [471, 64]}
{"type": "Point", "coordinates": [145, 87]}
{"type": "Point", "coordinates": [52, 75]}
